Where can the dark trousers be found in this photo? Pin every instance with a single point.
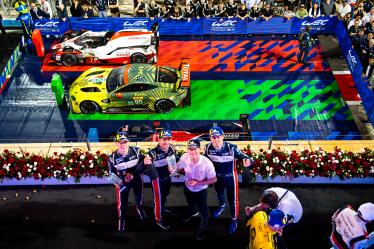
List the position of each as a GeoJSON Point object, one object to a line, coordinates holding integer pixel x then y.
{"type": "Point", "coordinates": [198, 200]}
{"type": "Point", "coordinates": [2, 29]}
{"type": "Point", "coordinates": [230, 184]}
{"type": "Point", "coordinates": [165, 185]}
{"type": "Point", "coordinates": [303, 54]}
{"type": "Point", "coordinates": [123, 196]}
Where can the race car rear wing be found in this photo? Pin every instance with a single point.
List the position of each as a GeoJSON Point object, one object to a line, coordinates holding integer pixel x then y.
{"type": "Point", "coordinates": [184, 68]}
{"type": "Point", "coordinates": [185, 72]}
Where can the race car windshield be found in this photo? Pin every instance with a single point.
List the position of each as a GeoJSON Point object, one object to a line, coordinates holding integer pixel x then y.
{"type": "Point", "coordinates": [80, 41]}
{"type": "Point", "coordinates": [115, 79]}
{"type": "Point", "coordinates": [165, 75]}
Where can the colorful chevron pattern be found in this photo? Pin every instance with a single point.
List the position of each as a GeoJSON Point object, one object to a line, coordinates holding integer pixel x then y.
{"type": "Point", "coordinates": [252, 55]}
{"type": "Point", "coordinates": [261, 99]}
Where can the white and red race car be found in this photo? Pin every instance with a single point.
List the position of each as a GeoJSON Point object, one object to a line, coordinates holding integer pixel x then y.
{"type": "Point", "coordinates": [108, 47]}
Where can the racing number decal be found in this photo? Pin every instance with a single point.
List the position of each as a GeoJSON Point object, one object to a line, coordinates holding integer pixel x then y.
{"type": "Point", "coordinates": [138, 100]}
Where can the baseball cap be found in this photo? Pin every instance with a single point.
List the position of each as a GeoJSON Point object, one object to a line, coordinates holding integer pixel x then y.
{"type": "Point", "coordinates": [277, 218]}
{"type": "Point", "coordinates": [366, 211]}
{"type": "Point", "coordinates": [121, 136]}
{"type": "Point", "coordinates": [215, 131]}
{"type": "Point", "coordinates": [164, 133]}
{"type": "Point", "coordinates": [193, 144]}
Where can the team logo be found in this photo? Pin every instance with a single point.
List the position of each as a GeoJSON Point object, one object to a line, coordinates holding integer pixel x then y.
{"type": "Point", "coordinates": [224, 24]}
{"type": "Point", "coordinates": [315, 23]}
{"type": "Point", "coordinates": [46, 25]}
{"type": "Point", "coordinates": [135, 24]}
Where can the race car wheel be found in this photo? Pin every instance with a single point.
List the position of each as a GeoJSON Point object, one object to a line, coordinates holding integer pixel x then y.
{"type": "Point", "coordinates": [138, 58]}
{"type": "Point", "coordinates": [164, 106]}
{"type": "Point", "coordinates": [69, 59]}
{"type": "Point", "coordinates": [89, 107]}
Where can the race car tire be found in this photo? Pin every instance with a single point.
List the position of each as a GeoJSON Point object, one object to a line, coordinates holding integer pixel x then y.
{"type": "Point", "coordinates": [138, 58]}
{"type": "Point", "coordinates": [164, 106]}
{"type": "Point", "coordinates": [89, 107]}
{"type": "Point", "coordinates": [69, 60]}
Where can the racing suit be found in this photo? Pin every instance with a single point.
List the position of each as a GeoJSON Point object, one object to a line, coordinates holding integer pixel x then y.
{"type": "Point", "coordinates": [164, 180]}
{"type": "Point", "coordinates": [131, 163]}
{"type": "Point", "coordinates": [224, 163]}
{"type": "Point", "coordinates": [305, 44]}
{"type": "Point", "coordinates": [349, 231]}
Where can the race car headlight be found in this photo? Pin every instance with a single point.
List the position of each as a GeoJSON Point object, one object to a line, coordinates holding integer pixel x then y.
{"type": "Point", "coordinates": [73, 98]}
{"type": "Point", "coordinates": [106, 101]}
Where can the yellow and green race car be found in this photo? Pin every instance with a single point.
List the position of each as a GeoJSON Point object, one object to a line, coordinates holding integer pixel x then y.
{"type": "Point", "coordinates": [131, 88]}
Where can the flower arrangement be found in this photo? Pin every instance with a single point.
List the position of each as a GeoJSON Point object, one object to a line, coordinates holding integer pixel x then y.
{"type": "Point", "coordinates": [268, 164]}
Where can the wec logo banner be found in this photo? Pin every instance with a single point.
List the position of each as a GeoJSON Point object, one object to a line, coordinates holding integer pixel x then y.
{"type": "Point", "coordinates": [218, 26]}
{"type": "Point", "coordinates": [315, 23]}
{"type": "Point", "coordinates": [51, 27]}
{"type": "Point", "coordinates": [46, 24]}
{"type": "Point", "coordinates": [352, 61]}
{"type": "Point", "coordinates": [135, 24]}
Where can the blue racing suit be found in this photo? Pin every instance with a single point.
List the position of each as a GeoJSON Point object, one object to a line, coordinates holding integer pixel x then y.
{"type": "Point", "coordinates": [305, 44]}
{"type": "Point", "coordinates": [131, 163]}
{"type": "Point", "coordinates": [164, 180]}
{"type": "Point", "coordinates": [227, 177]}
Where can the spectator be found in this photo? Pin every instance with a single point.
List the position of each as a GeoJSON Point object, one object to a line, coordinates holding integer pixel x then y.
{"type": "Point", "coordinates": [279, 11]}
{"type": "Point", "coordinates": [352, 3]}
{"type": "Point", "coordinates": [342, 10]}
{"type": "Point", "coordinates": [46, 8]}
{"type": "Point", "coordinates": [367, 5]}
{"type": "Point", "coordinates": [328, 8]}
{"type": "Point", "coordinates": [231, 9]}
{"type": "Point", "coordinates": [360, 45]}
{"type": "Point", "coordinates": [255, 12]}
{"type": "Point", "coordinates": [370, 53]}
{"type": "Point", "coordinates": [288, 14]}
{"type": "Point", "coordinates": [76, 9]}
{"type": "Point", "coordinates": [36, 12]}
{"type": "Point", "coordinates": [140, 9]}
{"type": "Point", "coordinates": [176, 12]}
{"type": "Point", "coordinates": [267, 13]}
{"type": "Point", "coordinates": [221, 10]}
{"type": "Point", "coordinates": [169, 4]}
{"type": "Point", "coordinates": [359, 10]}
{"type": "Point", "coordinates": [87, 11]}
{"type": "Point", "coordinates": [114, 8]}
{"type": "Point", "coordinates": [315, 11]}
{"type": "Point", "coordinates": [347, 19]}
{"type": "Point", "coordinates": [208, 9]}
{"type": "Point", "coordinates": [242, 12]}
{"type": "Point", "coordinates": [301, 13]}
{"type": "Point", "coordinates": [197, 8]}
{"type": "Point", "coordinates": [165, 12]}
{"type": "Point", "coordinates": [270, 2]}
{"type": "Point", "coordinates": [153, 10]}
{"type": "Point", "coordinates": [369, 27]}
{"type": "Point", "coordinates": [263, 228]}
{"type": "Point", "coordinates": [349, 226]}
{"type": "Point", "coordinates": [353, 30]}
{"type": "Point", "coordinates": [102, 7]}
{"type": "Point", "coordinates": [1, 26]}
{"type": "Point", "coordinates": [352, 22]}
{"type": "Point", "coordinates": [250, 3]}
{"type": "Point", "coordinates": [61, 10]}
{"type": "Point", "coordinates": [368, 17]}
{"type": "Point", "coordinates": [291, 4]}
{"type": "Point", "coordinates": [188, 13]}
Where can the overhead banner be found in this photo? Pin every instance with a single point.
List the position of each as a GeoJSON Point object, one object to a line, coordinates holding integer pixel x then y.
{"type": "Point", "coordinates": [218, 26]}
{"type": "Point", "coordinates": [275, 25]}
{"type": "Point", "coordinates": [51, 26]}
{"type": "Point", "coordinates": [320, 25]}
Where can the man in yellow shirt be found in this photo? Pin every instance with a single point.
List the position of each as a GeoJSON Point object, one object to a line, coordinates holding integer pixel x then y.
{"type": "Point", "coordinates": [263, 227]}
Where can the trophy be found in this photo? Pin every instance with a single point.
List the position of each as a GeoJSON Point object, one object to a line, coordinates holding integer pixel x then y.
{"type": "Point", "coordinates": [172, 164]}
{"type": "Point", "coordinates": [113, 178]}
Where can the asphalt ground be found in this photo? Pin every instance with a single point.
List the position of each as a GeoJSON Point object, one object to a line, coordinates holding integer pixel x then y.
{"type": "Point", "coordinates": [85, 217]}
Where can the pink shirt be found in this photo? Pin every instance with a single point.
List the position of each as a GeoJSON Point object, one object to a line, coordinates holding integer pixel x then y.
{"type": "Point", "coordinates": [202, 170]}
